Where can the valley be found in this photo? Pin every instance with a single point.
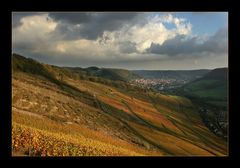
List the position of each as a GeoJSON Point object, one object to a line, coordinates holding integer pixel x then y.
{"type": "Point", "coordinates": [64, 111]}
{"type": "Point", "coordinates": [207, 90]}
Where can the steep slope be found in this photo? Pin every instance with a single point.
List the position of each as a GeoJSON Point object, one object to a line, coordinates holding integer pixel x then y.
{"type": "Point", "coordinates": [28, 65]}
{"type": "Point", "coordinates": [66, 114]}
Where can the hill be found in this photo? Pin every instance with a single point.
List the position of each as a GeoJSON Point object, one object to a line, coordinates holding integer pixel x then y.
{"type": "Point", "coordinates": [217, 74]}
{"type": "Point", "coordinates": [211, 87]}
{"type": "Point", "coordinates": [59, 111]}
{"type": "Point", "coordinates": [28, 65]}
{"type": "Point", "coordinates": [107, 73]}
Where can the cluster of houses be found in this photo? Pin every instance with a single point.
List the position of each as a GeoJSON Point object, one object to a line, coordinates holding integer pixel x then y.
{"type": "Point", "coordinates": [159, 84]}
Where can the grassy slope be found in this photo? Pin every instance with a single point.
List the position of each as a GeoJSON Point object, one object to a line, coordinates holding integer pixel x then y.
{"type": "Point", "coordinates": [89, 118]}
{"type": "Point", "coordinates": [208, 89]}
{"type": "Point", "coordinates": [211, 88]}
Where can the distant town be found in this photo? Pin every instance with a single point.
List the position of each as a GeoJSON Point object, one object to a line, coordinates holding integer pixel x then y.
{"type": "Point", "coordinates": [159, 84]}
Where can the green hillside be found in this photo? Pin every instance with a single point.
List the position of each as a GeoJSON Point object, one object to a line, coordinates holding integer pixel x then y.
{"type": "Point", "coordinates": [211, 88]}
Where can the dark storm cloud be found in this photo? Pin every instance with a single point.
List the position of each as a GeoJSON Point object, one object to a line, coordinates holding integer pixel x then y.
{"type": "Point", "coordinates": [91, 25]}
{"type": "Point", "coordinates": [174, 46]}
{"type": "Point", "coordinates": [180, 45]}
{"type": "Point", "coordinates": [218, 42]}
{"type": "Point", "coordinates": [72, 18]}
{"type": "Point", "coordinates": [17, 16]}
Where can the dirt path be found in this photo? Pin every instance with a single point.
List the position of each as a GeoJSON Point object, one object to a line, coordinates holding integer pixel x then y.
{"type": "Point", "coordinates": [26, 112]}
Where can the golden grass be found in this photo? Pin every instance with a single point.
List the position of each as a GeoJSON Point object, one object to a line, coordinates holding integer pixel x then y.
{"type": "Point", "coordinates": [77, 130]}
{"type": "Point", "coordinates": [43, 143]}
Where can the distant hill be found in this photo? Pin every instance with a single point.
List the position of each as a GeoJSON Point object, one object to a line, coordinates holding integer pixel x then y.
{"type": "Point", "coordinates": [112, 74]}
{"type": "Point", "coordinates": [211, 87]}
{"type": "Point", "coordinates": [106, 73]}
{"type": "Point", "coordinates": [21, 63]}
{"type": "Point", "coordinates": [217, 74]}
{"type": "Point", "coordinates": [188, 75]}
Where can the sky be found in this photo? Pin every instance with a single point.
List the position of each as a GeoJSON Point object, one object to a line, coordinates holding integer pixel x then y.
{"type": "Point", "coordinates": [128, 40]}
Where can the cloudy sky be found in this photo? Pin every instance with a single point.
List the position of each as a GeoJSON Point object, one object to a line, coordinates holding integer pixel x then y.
{"type": "Point", "coordinates": [131, 40]}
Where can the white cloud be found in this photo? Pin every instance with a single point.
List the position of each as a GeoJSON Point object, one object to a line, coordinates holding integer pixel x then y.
{"type": "Point", "coordinates": [33, 33]}
{"type": "Point", "coordinates": [34, 26]}
{"type": "Point", "coordinates": [154, 31]}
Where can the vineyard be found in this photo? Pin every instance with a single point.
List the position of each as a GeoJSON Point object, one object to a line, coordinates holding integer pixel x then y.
{"type": "Point", "coordinates": [36, 142]}
{"type": "Point", "coordinates": [80, 117]}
